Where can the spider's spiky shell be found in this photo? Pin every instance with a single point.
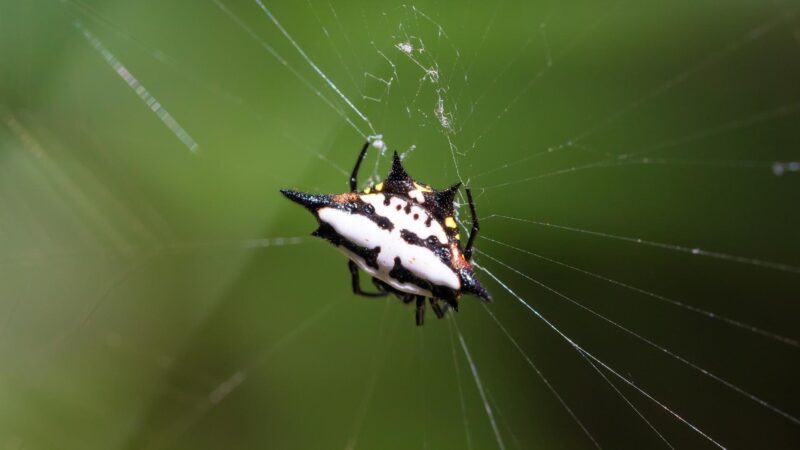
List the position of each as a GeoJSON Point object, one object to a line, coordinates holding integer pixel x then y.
{"type": "Point", "coordinates": [399, 231]}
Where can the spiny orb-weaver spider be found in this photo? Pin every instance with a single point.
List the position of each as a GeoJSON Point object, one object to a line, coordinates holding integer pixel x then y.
{"type": "Point", "coordinates": [402, 233]}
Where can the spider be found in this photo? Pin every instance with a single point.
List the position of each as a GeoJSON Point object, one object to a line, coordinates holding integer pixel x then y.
{"type": "Point", "coordinates": [402, 233]}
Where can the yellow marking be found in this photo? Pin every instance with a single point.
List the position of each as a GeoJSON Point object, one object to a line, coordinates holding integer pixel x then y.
{"type": "Point", "coordinates": [449, 222]}
{"type": "Point", "coordinates": [423, 188]}
{"type": "Point", "coordinates": [379, 187]}
{"type": "Point", "coordinates": [368, 190]}
{"type": "Point", "coordinates": [458, 236]}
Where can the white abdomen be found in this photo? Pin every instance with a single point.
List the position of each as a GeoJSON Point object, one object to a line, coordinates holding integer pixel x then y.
{"type": "Point", "coordinates": [420, 261]}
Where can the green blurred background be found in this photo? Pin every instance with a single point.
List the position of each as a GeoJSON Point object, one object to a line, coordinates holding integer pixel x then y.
{"type": "Point", "coordinates": [152, 297]}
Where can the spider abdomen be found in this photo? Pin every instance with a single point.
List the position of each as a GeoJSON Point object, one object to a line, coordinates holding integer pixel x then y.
{"type": "Point", "coordinates": [424, 262]}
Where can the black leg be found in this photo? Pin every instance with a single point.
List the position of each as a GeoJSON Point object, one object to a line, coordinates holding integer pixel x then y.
{"type": "Point", "coordinates": [357, 285]}
{"type": "Point", "coordinates": [436, 308]}
{"type": "Point", "coordinates": [383, 287]}
{"type": "Point", "coordinates": [475, 227]}
{"type": "Point", "coordinates": [420, 310]}
{"type": "Point", "coordinates": [354, 175]}
{"type": "Point", "coordinates": [450, 304]}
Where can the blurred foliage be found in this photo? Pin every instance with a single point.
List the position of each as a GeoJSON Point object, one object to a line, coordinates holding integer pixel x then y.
{"type": "Point", "coordinates": [155, 297]}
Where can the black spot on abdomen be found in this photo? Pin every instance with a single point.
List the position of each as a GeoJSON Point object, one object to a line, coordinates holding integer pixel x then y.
{"type": "Point", "coordinates": [431, 243]}
{"type": "Point", "coordinates": [369, 255]}
{"type": "Point", "coordinates": [368, 211]}
{"type": "Point", "coordinates": [403, 275]}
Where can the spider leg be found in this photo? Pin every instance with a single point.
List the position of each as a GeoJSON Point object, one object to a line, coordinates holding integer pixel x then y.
{"type": "Point", "coordinates": [354, 175]}
{"type": "Point", "coordinates": [357, 285]}
{"type": "Point", "coordinates": [436, 308]}
{"type": "Point", "coordinates": [450, 304]}
{"type": "Point", "coordinates": [383, 287]}
{"type": "Point", "coordinates": [475, 227]}
{"type": "Point", "coordinates": [420, 310]}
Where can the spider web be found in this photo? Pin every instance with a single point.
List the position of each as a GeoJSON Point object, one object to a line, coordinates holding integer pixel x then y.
{"type": "Point", "coordinates": [637, 202]}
